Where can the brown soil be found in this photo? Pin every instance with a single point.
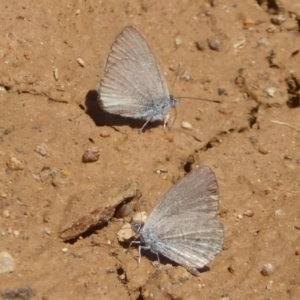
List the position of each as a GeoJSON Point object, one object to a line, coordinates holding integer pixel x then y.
{"type": "Point", "coordinates": [251, 140]}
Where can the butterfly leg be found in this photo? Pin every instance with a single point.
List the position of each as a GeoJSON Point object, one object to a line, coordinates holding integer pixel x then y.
{"type": "Point", "coordinates": [166, 119]}
{"type": "Point", "coordinates": [157, 257]}
{"type": "Point", "coordinates": [141, 130]}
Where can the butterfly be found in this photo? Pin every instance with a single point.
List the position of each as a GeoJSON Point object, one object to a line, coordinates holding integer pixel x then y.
{"type": "Point", "coordinates": [133, 85]}
{"type": "Point", "coordinates": [184, 226]}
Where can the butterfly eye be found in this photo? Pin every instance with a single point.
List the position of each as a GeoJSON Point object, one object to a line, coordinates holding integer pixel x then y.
{"type": "Point", "coordinates": [137, 226]}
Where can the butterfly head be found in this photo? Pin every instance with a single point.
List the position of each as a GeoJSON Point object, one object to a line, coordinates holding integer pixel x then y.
{"type": "Point", "coordinates": [174, 101]}
{"type": "Point", "coordinates": [137, 226]}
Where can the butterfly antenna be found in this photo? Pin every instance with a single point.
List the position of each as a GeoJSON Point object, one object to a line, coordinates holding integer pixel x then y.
{"type": "Point", "coordinates": [203, 99]}
{"type": "Point", "coordinates": [177, 74]}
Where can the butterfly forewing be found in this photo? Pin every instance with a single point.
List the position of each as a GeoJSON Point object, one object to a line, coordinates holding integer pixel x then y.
{"type": "Point", "coordinates": [198, 191]}
{"type": "Point", "coordinates": [132, 76]}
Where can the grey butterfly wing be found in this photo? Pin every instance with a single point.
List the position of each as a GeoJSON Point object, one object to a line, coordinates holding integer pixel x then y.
{"type": "Point", "coordinates": [132, 81]}
{"type": "Point", "coordinates": [192, 240]}
{"type": "Point", "coordinates": [196, 192]}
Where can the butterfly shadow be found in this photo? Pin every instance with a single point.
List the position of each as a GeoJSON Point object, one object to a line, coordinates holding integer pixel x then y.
{"type": "Point", "coordinates": [103, 118]}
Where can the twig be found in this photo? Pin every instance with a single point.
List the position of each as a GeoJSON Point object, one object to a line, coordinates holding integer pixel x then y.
{"type": "Point", "coordinates": [286, 124]}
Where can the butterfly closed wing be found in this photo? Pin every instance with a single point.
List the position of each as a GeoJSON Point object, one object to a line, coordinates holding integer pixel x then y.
{"type": "Point", "coordinates": [133, 85]}
{"type": "Point", "coordinates": [184, 226]}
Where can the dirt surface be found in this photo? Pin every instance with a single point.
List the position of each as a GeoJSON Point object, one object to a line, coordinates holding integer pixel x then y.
{"type": "Point", "coordinates": [49, 117]}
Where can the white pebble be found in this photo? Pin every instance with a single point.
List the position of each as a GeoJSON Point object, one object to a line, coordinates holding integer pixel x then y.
{"type": "Point", "coordinates": [16, 233]}
{"type": "Point", "coordinates": [125, 233]}
{"type": "Point", "coordinates": [267, 270]}
{"type": "Point", "coordinates": [278, 212]}
{"type": "Point", "coordinates": [270, 91]}
{"type": "Point", "coordinates": [186, 125]}
{"type": "Point", "coordinates": [140, 217]}
{"type": "Point", "coordinates": [186, 76]}
{"type": "Point", "coordinates": [269, 285]}
{"type": "Point", "coordinates": [81, 62]}
{"type": "Point", "coordinates": [263, 42]}
{"type": "Point", "coordinates": [177, 42]}
{"type": "Point", "coordinates": [7, 263]}
{"type": "Point", "coordinates": [47, 230]}
{"type": "Point", "coordinates": [64, 250]}
{"type": "Point", "coordinates": [3, 89]}
{"type": "Point", "coordinates": [42, 150]}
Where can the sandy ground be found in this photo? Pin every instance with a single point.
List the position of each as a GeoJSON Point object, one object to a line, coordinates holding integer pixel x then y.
{"type": "Point", "coordinates": [251, 141]}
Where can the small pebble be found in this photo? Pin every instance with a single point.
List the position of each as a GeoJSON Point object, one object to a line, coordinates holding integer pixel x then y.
{"type": "Point", "coordinates": [278, 213]}
{"type": "Point", "coordinates": [140, 217]}
{"type": "Point", "coordinates": [3, 194]}
{"type": "Point", "coordinates": [263, 150]}
{"type": "Point", "coordinates": [161, 170]}
{"type": "Point", "coordinates": [125, 233]}
{"type": "Point", "coordinates": [42, 150]}
{"type": "Point", "coordinates": [278, 20]}
{"type": "Point", "coordinates": [177, 42]}
{"type": "Point", "coordinates": [47, 230]}
{"type": "Point", "coordinates": [122, 276]}
{"type": "Point", "coordinates": [6, 213]}
{"type": "Point", "coordinates": [14, 164]}
{"type": "Point", "coordinates": [297, 252]}
{"type": "Point", "coordinates": [186, 76]}
{"type": "Point", "coordinates": [16, 233]}
{"type": "Point", "coordinates": [222, 91]}
{"type": "Point", "coordinates": [271, 29]}
{"type": "Point", "coordinates": [290, 25]}
{"type": "Point", "coordinates": [81, 62]}
{"type": "Point", "coordinates": [55, 74]}
{"type": "Point", "coordinates": [231, 270]}
{"type": "Point", "coordinates": [270, 91]}
{"type": "Point", "coordinates": [269, 285]}
{"type": "Point", "coordinates": [200, 46]}
{"type": "Point", "coordinates": [9, 129]}
{"type": "Point", "coordinates": [267, 270]}
{"type": "Point", "coordinates": [36, 127]}
{"type": "Point", "coordinates": [214, 44]}
{"type": "Point", "coordinates": [64, 250]}
{"type": "Point", "coordinates": [249, 213]}
{"type": "Point", "coordinates": [124, 210]}
{"type": "Point", "coordinates": [3, 89]}
{"type": "Point", "coordinates": [186, 125]}
{"type": "Point", "coordinates": [91, 155]}
{"type": "Point", "coordinates": [263, 42]}
{"type": "Point", "coordinates": [225, 110]}
{"type": "Point", "coordinates": [7, 263]}
{"type": "Point", "coordinates": [77, 12]}
{"type": "Point", "coordinates": [104, 134]}
{"type": "Point", "coordinates": [248, 22]}
{"type": "Point", "coordinates": [240, 44]}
